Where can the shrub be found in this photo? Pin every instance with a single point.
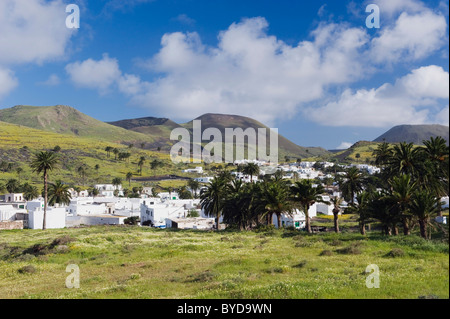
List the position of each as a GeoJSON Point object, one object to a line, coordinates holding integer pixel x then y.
{"type": "Point", "coordinates": [134, 220]}
{"type": "Point", "coordinates": [326, 253]}
{"type": "Point", "coordinates": [353, 249]}
{"type": "Point", "coordinates": [27, 270]}
{"type": "Point", "coordinates": [395, 252]}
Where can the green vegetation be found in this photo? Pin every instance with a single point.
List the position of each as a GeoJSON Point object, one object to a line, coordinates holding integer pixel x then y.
{"type": "Point", "coordinates": [141, 262]}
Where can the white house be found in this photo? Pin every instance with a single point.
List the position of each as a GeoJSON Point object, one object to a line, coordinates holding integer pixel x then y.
{"type": "Point", "coordinates": [156, 211]}
{"type": "Point", "coordinates": [297, 219]}
{"type": "Point", "coordinates": [198, 170]}
{"type": "Point", "coordinates": [55, 218]}
{"type": "Point", "coordinates": [107, 190]}
{"type": "Point", "coordinates": [206, 179]}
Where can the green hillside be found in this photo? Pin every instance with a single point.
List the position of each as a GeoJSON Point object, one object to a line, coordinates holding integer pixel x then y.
{"type": "Point", "coordinates": [19, 143]}
{"type": "Point", "coordinates": [67, 120]}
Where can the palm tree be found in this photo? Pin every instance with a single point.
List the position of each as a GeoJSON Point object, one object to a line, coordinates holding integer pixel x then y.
{"type": "Point", "coordinates": [352, 184]}
{"type": "Point", "coordinates": [59, 193]}
{"type": "Point", "coordinates": [336, 201]}
{"type": "Point", "coordinates": [402, 188]}
{"type": "Point", "coordinates": [362, 208]}
{"type": "Point", "coordinates": [251, 169]}
{"type": "Point", "coordinates": [194, 186]}
{"type": "Point", "coordinates": [141, 164]}
{"type": "Point", "coordinates": [305, 195]}
{"type": "Point", "coordinates": [405, 159]}
{"type": "Point", "coordinates": [212, 198]}
{"type": "Point", "coordinates": [12, 186]}
{"type": "Point", "coordinates": [382, 154]}
{"type": "Point", "coordinates": [276, 198]}
{"type": "Point", "coordinates": [30, 192]}
{"type": "Point", "coordinates": [128, 177]}
{"type": "Point", "coordinates": [115, 151]}
{"type": "Point", "coordinates": [424, 204]}
{"type": "Point", "coordinates": [82, 170]}
{"type": "Point", "coordinates": [108, 150]}
{"type": "Point", "coordinates": [117, 182]}
{"type": "Point", "coordinates": [44, 162]}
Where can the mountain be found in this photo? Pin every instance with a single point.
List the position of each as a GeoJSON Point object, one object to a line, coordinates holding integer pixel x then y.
{"type": "Point", "coordinates": [286, 147]}
{"type": "Point", "coordinates": [157, 128]}
{"type": "Point", "coordinates": [67, 120]}
{"type": "Point", "coordinates": [414, 133]}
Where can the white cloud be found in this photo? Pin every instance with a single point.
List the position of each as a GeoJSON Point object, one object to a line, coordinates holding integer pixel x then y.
{"type": "Point", "coordinates": [184, 19]}
{"type": "Point", "coordinates": [443, 116]}
{"type": "Point", "coordinates": [52, 80]}
{"type": "Point", "coordinates": [344, 145]}
{"type": "Point", "coordinates": [250, 72]}
{"type": "Point", "coordinates": [32, 31]}
{"type": "Point", "coordinates": [393, 7]}
{"type": "Point", "coordinates": [7, 82]}
{"type": "Point", "coordinates": [413, 37]}
{"type": "Point", "coordinates": [410, 100]}
{"type": "Point", "coordinates": [94, 74]}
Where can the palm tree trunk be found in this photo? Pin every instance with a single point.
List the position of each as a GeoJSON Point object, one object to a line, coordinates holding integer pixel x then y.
{"type": "Point", "coordinates": [423, 228]}
{"type": "Point", "coordinates": [406, 230]}
{"type": "Point", "coordinates": [362, 228]}
{"type": "Point", "coordinates": [44, 223]}
{"type": "Point", "coordinates": [279, 220]}
{"type": "Point", "coordinates": [394, 229]}
{"type": "Point", "coordinates": [336, 223]}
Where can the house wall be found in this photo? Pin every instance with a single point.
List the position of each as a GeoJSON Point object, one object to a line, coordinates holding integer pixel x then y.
{"type": "Point", "coordinates": [56, 218]}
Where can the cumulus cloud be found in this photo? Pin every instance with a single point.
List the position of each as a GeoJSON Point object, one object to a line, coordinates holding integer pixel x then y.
{"type": "Point", "coordinates": [7, 82]}
{"type": "Point", "coordinates": [344, 145]}
{"type": "Point", "coordinates": [412, 37]}
{"type": "Point", "coordinates": [250, 72]}
{"type": "Point", "coordinates": [409, 100]}
{"type": "Point", "coordinates": [94, 74]}
{"type": "Point", "coordinates": [32, 31]}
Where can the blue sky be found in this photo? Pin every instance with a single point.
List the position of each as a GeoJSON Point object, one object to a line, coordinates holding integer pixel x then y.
{"type": "Point", "coordinates": [312, 69]}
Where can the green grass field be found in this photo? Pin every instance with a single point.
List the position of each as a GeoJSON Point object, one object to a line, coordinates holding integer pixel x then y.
{"type": "Point", "coordinates": [139, 262]}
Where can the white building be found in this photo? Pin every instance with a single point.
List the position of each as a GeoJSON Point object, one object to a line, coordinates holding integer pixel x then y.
{"type": "Point", "coordinates": [55, 218]}
{"type": "Point", "coordinates": [206, 179]}
{"type": "Point", "coordinates": [198, 170]}
{"type": "Point", "coordinates": [297, 219]}
{"type": "Point", "coordinates": [156, 212]}
{"type": "Point", "coordinates": [107, 190]}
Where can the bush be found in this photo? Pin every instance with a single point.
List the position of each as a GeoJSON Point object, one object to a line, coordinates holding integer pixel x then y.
{"type": "Point", "coordinates": [353, 249]}
{"type": "Point", "coordinates": [134, 220]}
{"type": "Point", "coordinates": [396, 252]}
{"type": "Point", "coordinates": [326, 253]}
{"type": "Point", "coordinates": [27, 270]}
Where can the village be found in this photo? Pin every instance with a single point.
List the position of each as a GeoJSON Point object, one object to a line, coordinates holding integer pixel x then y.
{"type": "Point", "coordinates": [166, 210]}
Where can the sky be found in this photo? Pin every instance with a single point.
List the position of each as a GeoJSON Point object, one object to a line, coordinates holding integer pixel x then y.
{"type": "Point", "coordinates": [315, 70]}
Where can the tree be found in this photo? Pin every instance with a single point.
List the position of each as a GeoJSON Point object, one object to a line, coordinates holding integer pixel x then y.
{"type": "Point", "coordinates": [82, 170]}
{"type": "Point", "coordinates": [128, 178]}
{"type": "Point", "coordinates": [352, 184]}
{"type": "Point", "coordinates": [305, 195]}
{"type": "Point", "coordinates": [336, 201]}
{"type": "Point", "coordinates": [116, 152]}
{"type": "Point", "coordinates": [362, 209]}
{"type": "Point", "coordinates": [59, 193]}
{"type": "Point", "coordinates": [194, 185]}
{"type": "Point", "coordinates": [117, 182]}
{"type": "Point", "coordinates": [141, 164]}
{"type": "Point", "coordinates": [383, 154]}
{"type": "Point", "coordinates": [212, 198]}
{"type": "Point", "coordinates": [424, 204]}
{"type": "Point", "coordinates": [44, 162]}
{"type": "Point", "coordinates": [251, 169]}
{"type": "Point", "coordinates": [108, 150]}
{"type": "Point", "coordinates": [402, 188]}
{"type": "Point", "coordinates": [29, 192]}
{"type": "Point", "coordinates": [276, 198]}
{"type": "Point", "coordinates": [12, 186]}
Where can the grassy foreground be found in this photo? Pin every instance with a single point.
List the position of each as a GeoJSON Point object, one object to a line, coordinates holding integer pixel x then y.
{"type": "Point", "coordinates": [139, 262]}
